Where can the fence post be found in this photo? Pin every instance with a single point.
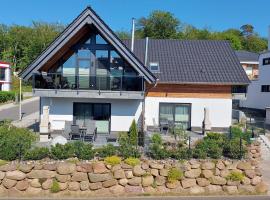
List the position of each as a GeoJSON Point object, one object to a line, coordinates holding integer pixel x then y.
{"type": "Point", "coordinates": [189, 142]}
{"type": "Point", "coordinates": [230, 132]}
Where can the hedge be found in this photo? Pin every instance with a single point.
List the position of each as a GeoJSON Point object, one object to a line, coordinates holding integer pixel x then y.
{"type": "Point", "coordinates": [7, 96]}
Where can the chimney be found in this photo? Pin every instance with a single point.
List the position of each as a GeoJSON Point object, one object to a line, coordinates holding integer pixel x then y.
{"type": "Point", "coordinates": [146, 51]}
{"type": "Point", "coordinates": [269, 38]}
{"type": "Point", "coordinates": [132, 34]}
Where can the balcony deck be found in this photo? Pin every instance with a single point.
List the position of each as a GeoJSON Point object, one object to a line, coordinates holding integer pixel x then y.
{"type": "Point", "coordinates": [113, 87]}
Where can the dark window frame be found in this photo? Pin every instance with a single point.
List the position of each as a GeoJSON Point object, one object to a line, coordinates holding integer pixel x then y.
{"type": "Point", "coordinates": [174, 106]}
{"type": "Point", "coordinates": [265, 88]}
{"type": "Point", "coordinates": [2, 74]}
{"type": "Point", "coordinates": [156, 65]}
{"type": "Point", "coordinates": [266, 61]}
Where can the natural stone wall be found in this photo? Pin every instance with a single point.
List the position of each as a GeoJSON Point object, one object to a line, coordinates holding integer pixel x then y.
{"type": "Point", "coordinates": [95, 178]}
{"type": "Point", "coordinates": [254, 151]}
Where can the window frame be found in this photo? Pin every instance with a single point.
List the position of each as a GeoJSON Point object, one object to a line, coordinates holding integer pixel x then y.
{"type": "Point", "coordinates": [154, 63]}
{"type": "Point", "coordinates": [265, 88]}
{"type": "Point", "coordinates": [174, 105]}
{"type": "Point", "coordinates": [266, 60]}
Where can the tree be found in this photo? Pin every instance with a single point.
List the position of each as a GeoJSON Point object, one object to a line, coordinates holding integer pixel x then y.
{"type": "Point", "coordinates": [123, 35]}
{"type": "Point", "coordinates": [159, 25]}
{"type": "Point", "coordinates": [247, 30]}
{"type": "Point", "coordinates": [133, 134]}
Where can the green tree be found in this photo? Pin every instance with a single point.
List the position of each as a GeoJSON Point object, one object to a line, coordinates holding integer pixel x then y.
{"type": "Point", "coordinates": [159, 25]}
{"type": "Point", "coordinates": [133, 133]}
{"type": "Point", "coordinates": [247, 30]}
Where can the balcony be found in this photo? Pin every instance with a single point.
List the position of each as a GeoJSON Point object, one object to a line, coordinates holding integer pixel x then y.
{"type": "Point", "coordinates": [84, 86]}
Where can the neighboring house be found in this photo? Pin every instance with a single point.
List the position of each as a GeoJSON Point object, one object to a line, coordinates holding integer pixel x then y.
{"type": "Point", "coordinates": [5, 76]}
{"type": "Point", "coordinates": [258, 95]}
{"type": "Point", "coordinates": [88, 73]}
{"type": "Point", "coordinates": [250, 63]}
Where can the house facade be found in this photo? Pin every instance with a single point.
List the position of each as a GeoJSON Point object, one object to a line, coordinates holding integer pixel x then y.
{"type": "Point", "coordinates": [258, 95]}
{"type": "Point", "coordinates": [250, 63]}
{"type": "Point", "coordinates": [88, 73]}
{"type": "Point", "coordinates": [5, 76]}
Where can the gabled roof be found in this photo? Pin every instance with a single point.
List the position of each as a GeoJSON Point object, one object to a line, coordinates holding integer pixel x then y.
{"type": "Point", "coordinates": [192, 61]}
{"type": "Point", "coordinates": [247, 56]}
{"type": "Point", "coordinates": [87, 17]}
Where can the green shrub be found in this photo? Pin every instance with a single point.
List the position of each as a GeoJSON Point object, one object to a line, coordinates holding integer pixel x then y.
{"type": "Point", "coordinates": [232, 149]}
{"type": "Point", "coordinates": [182, 153]}
{"type": "Point", "coordinates": [132, 161]}
{"type": "Point", "coordinates": [59, 151]}
{"type": "Point", "coordinates": [37, 153]}
{"type": "Point", "coordinates": [236, 132]}
{"type": "Point", "coordinates": [175, 174]}
{"type": "Point", "coordinates": [235, 176]}
{"type": "Point", "coordinates": [126, 149]}
{"type": "Point", "coordinates": [211, 147]}
{"type": "Point", "coordinates": [133, 132]}
{"type": "Point", "coordinates": [83, 150]}
{"type": "Point", "coordinates": [7, 96]}
{"type": "Point", "coordinates": [107, 150]}
{"type": "Point", "coordinates": [156, 148]}
{"type": "Point", "coordinates": [112, 160]}
{"type": "Point", "coordinates": [55, 187]}
{"type": "Point", "coordinates": [14, 142]}
{"type": "Point", "coordinates": [199, 153]}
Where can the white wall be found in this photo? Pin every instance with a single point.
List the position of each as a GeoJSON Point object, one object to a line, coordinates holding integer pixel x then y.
{"type": "Point", "coordinates": [122, 111]}
{"type": "Point", "coordinates": [220, 110]}
{"type": "Point", "coordinates": [6, 84]}
{"type": "Point", "coordinates": [256, 98]}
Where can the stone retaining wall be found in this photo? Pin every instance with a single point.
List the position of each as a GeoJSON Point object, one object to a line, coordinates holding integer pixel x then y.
{"type": "Point", "coordinates": [96, 178]}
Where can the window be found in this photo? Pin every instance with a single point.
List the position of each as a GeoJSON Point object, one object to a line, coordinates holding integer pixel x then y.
{"type": "Point", "coordinates": [266, 61]}
{"type": "Point", "coordinates": [265, 88]}
{"type": "Point", "coordinates": [249, 70]}
{"type": "Point", "coordinates": [2, 74]}
{"type": "Point", "coordinates": [154, 66]}
{"type": "Point", "coordinates": [177, 114]}
{"type": "Point", "coordinates": [100, 40]}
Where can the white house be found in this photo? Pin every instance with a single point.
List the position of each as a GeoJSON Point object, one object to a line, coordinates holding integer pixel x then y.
{"type": "Point", "coordinates": [88, 74]}
{"type": "Point", "coordinates": [258, 95]}
{"type": "Point", "coordinates": [5, 76]}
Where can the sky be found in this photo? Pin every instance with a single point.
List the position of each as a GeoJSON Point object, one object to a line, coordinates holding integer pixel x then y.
{"type": "Point", "coordinates": [216, 15]}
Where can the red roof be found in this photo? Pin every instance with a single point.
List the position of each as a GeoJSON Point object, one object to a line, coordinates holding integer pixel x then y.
{"type": "Point", "coordinates": [2, 62]}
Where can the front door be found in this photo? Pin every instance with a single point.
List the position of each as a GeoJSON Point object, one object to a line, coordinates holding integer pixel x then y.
{"type": "Point", "coordinates": [99, 112]}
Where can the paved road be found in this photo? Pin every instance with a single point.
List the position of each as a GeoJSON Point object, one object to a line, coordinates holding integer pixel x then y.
{"type": "Point", "coordinates": [12, 113]}
{"type": "Point", "coordinates": [162, 198]}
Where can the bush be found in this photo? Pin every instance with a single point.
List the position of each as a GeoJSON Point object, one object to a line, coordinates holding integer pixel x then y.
{"type": "Point", "coordinates": [199, 153]}
{"type": "Point", "coordinates": [236, 132]}
{"type": "Point", "coordinates": [14, 142]}
{"type": "Point", "coordinates": [156, 148]}
{"type": "Point", "coordinates": [235, 176]}
{"type": "Point", "coordinates": [59, 151]}
{"type": "Point", "coordinates": [112, 160]}
{"type": "Point", "coordinates": [7, 96]}
{"type": "Point", "coordinates": [181, 153]}
{"type": "Point", "coordinates": [132, 161]}
{"type": "Point", "coordinates": [232, 149]}
{"type": "Point", "coordinates": [211, 147]}
{"type": "Point", "coordinates": [175, 174]}
{"type": "Point", "coordinates": [83, 150]}
{"type": "Point", "coordinates": [133, 132]}
{"type": "Point", "coordinates": [127, 150]}
{"type": "Point", "coordinates": [107, 150]}
{"type": "Point", "coordinates": [37, 153]}
{"type": "Point", "coordinates": [55, 187]}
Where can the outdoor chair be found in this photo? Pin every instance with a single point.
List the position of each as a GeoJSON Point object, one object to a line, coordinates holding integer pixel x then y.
{"type": "Point", "coordinates": [91, 131]}
{"type": "Point", "coordinates": [75, 132]}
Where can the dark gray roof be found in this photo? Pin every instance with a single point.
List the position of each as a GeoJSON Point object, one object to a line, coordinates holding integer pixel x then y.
{"type": "Point", "coordinates": [192, 61]}
{"type": "Point", "coordinates": [88, 16]}
{"type": "Point", "coordinates": [247, 56]}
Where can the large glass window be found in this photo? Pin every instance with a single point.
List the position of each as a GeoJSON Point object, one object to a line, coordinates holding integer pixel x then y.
{"type": "Point", "coordinates": [100, 40]}
{"type": "Point", "coordinates": [84, 72]}
{"type": "Point", "coordinates": [2, 74]}
{"type": "Point", "coordinates": [176, 114]}
{"type": "Point", "coordinates": [69, 71]}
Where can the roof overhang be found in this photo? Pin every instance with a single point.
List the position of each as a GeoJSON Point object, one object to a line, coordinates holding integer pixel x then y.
{"type": "Point", "coordinates": [87, 17]}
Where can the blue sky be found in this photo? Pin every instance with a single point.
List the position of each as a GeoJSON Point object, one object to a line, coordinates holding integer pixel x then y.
{"type": "Point", "coordinates": [214, 14]}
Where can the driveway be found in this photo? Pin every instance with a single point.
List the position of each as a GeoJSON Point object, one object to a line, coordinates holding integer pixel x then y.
{"type": "Point", "coordinates": [11, 111]}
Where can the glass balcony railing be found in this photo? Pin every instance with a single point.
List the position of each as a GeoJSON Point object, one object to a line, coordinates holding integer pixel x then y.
{"type": "Point", "coordinates": [84, 82]}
